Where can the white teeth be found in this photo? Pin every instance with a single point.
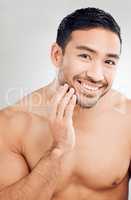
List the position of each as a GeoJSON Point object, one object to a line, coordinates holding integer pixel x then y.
{"type": "Point", "coordinates": [89, 87]}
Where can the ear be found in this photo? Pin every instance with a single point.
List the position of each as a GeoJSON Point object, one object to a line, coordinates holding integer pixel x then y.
{"type": "Point", "coordinates": [56, 55]}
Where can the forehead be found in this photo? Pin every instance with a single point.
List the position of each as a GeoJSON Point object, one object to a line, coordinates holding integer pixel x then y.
{"type": "Point", "coordinates": [97, 38]}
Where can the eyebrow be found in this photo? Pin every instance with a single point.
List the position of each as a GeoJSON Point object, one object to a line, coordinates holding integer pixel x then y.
{"type": "Point", "coordinates": [111, 55]}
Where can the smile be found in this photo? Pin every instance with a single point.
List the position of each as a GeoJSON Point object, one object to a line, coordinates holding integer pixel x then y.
{"type": "Point", "coordinates": [87, 86]}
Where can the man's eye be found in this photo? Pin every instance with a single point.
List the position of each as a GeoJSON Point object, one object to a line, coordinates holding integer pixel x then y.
{"type": "Point", "coordinates": [84, 56]}
{"type": "Point", "coordinates": [110, 62]}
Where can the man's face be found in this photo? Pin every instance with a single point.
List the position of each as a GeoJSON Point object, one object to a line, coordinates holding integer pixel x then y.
{"type": "Point", "coordinates": [89, 64]}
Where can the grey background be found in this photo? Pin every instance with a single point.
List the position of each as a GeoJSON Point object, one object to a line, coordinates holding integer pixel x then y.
{"type": "Point", "coordinates": [27, 30]}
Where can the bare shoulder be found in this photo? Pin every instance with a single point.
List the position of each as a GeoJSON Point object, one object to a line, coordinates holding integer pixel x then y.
{"type": "Point", "coordinates": [20, 123]}
{"type": "Point", "coordinates": [125, 109]}
{"type": "Point", "coordinates": [13, 123]}
{"type": "Point", "coordinates": [23, 138]}
{"type": "Point", "coordinates": [33, 102]}
{"type": "Point", "coordinates": [129, 106]}
{"type": "Point", "coordinates": [12, 161]}
{"type": "Point", "coordinates": [14, 118]}
{"type": "Point", "coordinates": [128, 115]}
{"type": "Point", "coordinates": [122, 103]}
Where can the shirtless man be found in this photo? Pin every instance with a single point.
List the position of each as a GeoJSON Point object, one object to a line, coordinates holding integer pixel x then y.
{"type": "Point", "coordinates": [71, 140]}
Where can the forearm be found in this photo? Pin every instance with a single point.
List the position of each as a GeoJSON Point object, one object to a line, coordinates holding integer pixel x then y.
{"type": "Point", "coordinates": [39, 184]}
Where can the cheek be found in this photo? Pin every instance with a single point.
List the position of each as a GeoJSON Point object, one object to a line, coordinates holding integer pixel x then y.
{"type": "Point", "coordinates": [70, 67]}
{"type": "Point", "coordinates": [75, 68]}
{"type": "Point", "coordinates": [73, 64]}
{"type": "Point", "coordinates": [110, 75]}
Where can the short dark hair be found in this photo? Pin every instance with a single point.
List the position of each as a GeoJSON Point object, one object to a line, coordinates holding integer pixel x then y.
{"type": "Point", "coordinates": [85, 18]}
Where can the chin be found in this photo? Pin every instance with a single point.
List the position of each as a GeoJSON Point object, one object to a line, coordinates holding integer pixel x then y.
{"type": "Point", "coordinates": [88, 103]}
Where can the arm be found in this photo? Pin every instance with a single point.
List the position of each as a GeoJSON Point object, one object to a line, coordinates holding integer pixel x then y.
{"type": "Point", "coordinates": [41, 182]}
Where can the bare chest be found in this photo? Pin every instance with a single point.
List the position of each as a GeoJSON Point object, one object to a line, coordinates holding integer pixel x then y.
{"type": "Point", "coordinates": [99, 160]}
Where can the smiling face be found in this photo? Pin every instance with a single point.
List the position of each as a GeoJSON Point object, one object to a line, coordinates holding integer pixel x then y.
{"type": "Point", "coordinates": [89, 63]}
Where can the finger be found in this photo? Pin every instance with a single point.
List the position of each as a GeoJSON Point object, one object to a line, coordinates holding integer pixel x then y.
{"type": "Point", "coordinates": [64, 103]}
{"type": "Point", "coordinates": [70, 108]}
{"type": "Point", "coordinates": [57, 98]}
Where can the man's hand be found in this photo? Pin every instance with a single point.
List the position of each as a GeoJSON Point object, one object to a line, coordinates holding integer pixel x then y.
{"type": "Point", "coordinates": [60, 120]}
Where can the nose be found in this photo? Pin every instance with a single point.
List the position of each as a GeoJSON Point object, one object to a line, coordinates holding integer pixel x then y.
{"type": "Point", "coordinates": [95, 72]}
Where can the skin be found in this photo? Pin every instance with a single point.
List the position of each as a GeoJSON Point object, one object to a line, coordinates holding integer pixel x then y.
{"type": "Point", "coordinates": [70, 143]}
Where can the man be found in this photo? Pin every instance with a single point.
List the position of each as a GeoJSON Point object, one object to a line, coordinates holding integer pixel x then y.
{"type": "Point", "coordinates": [71, 140]}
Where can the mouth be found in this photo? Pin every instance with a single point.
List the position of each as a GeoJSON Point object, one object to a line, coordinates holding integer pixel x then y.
{"type": "Point", "coordinates": [88, 87]}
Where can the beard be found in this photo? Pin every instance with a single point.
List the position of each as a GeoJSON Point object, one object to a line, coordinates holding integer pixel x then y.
{"type": "Point", "coordinates": [89, 101]}
{"type": "Point", "coordinates": [83, 99]}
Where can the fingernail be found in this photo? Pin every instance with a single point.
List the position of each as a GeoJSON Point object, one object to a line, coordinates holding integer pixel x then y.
{"type": "Point", "coordinates": [72, 90]}
{"type": "Point", "coordinates": [65, 85]}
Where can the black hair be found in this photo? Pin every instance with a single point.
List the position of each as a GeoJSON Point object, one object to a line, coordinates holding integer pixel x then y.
{"type": "Point", "coordinates": [85, 18]}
